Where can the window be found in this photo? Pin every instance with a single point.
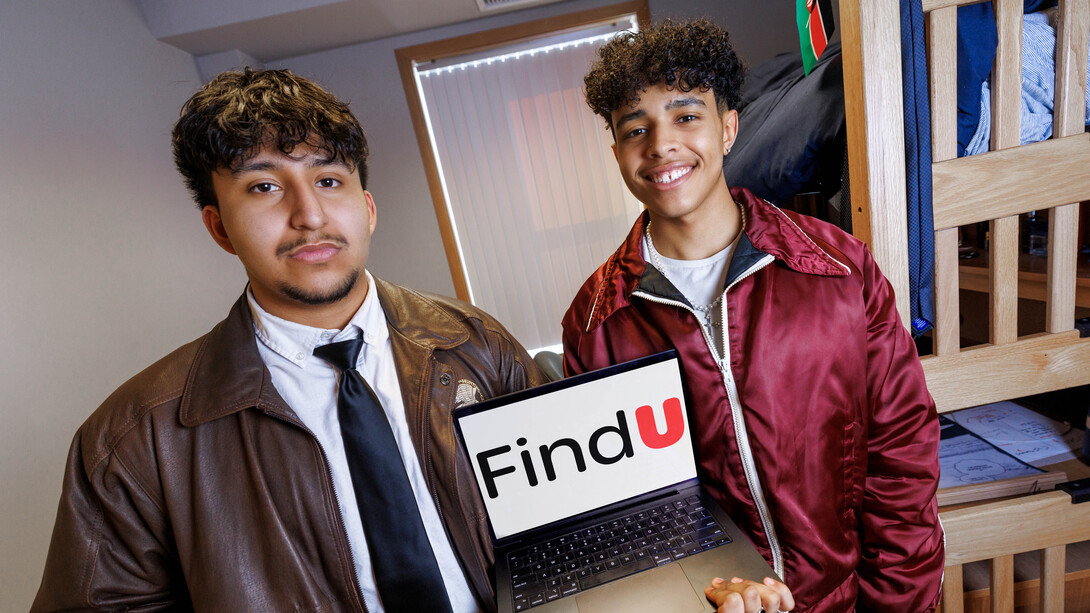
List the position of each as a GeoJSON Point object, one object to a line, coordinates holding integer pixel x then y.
{"type": "Point", "coordinates": [528, 194]}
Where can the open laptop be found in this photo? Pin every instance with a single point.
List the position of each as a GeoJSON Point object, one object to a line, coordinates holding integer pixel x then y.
{"type": "Point", "coordinates": [592, 496]}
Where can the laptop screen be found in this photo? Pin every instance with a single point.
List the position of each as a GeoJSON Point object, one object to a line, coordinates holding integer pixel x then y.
{"type": "Point", "coordinates": [578, 444]}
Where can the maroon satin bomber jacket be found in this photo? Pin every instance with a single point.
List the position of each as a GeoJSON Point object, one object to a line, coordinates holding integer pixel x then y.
{"type": "Point", "coordinates": [838, 430]}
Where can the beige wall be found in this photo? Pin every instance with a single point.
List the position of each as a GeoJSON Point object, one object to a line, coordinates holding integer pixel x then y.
{"type": "Point", "coordinates": [105, 264]}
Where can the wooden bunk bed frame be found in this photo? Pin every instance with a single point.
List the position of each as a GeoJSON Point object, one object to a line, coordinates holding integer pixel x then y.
{"type": "Point", "coordinates": [993, 187]}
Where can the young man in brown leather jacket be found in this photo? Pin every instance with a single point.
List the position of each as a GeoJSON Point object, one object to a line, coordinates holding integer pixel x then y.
{"type": "Point", "coordinates": [217, 479]}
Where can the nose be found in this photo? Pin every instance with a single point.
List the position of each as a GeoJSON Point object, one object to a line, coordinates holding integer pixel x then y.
{"type": "Point", "coordinates": [307, 212]}
{"type": "Point", "coordinates": [661, 143]}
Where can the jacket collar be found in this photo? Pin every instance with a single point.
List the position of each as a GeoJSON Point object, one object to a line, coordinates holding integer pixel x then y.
{"type": "Point", "coordinates": [766, 230]}
{"type": "Point", "coordinates": [227, 374]}
{"type": "Point", "coordinates": [418, 319]}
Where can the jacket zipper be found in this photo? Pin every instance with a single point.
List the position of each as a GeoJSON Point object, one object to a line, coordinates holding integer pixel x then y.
{"type": "Point", "coordinates": [336, 503]}
{"type": "Point", "coordinates": [740, 434]}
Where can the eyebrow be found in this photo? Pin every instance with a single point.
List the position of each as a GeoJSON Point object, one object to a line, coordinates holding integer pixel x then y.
{"type": "Point", "coordinates": [673, 104]}
{"type": "Point", "coordinates": [629, 117]}
{"type": "Point", "coordinates": [680, 102]}
{"type": "Point", "coordinates": [313, 161]}
{"type": "Point", "coordinates": [252, 166]}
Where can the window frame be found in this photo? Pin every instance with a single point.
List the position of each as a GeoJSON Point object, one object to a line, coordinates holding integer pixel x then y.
{"type": "Point", "coordinates": [407, 57]}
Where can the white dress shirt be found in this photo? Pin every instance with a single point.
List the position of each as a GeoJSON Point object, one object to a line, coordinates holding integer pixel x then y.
{"type": "Point", "coordinates": [309, 385]}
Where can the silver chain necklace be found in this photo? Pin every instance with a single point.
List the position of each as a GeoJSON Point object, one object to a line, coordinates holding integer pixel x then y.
{"type": "Point", "coordinates": [706, 310]}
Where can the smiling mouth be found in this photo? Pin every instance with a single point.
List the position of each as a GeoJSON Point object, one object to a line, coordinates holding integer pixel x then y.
{"type": "Point", "coordinates": [669, 176]}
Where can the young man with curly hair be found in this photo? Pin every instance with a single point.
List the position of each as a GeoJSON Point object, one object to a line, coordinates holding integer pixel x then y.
{"type": "Point", "coordinates": [813, 425]}
{"type": "Point", "coordinates": [222, 478]}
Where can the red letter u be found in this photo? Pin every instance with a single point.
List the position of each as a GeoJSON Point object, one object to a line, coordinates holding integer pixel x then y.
{"type": "Point", "coordinates": [649, 432]}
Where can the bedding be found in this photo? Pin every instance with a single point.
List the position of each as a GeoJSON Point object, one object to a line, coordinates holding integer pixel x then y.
{"type": "Point", "coordinates": [790, 128]}
{"type": "Point", "coordinates": [1038, 87]}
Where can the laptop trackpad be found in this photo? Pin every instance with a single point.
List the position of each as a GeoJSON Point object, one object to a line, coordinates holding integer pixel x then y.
{"type": "Point", "coordinates": [663, 590]}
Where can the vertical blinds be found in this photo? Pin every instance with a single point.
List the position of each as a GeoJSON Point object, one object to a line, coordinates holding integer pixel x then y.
{"type": "Point", "coordinates": [532, 188]}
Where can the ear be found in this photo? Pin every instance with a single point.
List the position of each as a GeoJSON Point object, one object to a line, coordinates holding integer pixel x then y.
{"type": "Point", "coordinates": [614, 148]}
{"type": "Point", "coordinates": [214, 223]}
{"type": "Point", "coordinates": [730, 129]}
{"type": "Point", "coordinates": [371, 220]}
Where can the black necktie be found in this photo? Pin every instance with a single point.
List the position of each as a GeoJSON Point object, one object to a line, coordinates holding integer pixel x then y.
{"type": "Point", "coordinates": [406, 573]}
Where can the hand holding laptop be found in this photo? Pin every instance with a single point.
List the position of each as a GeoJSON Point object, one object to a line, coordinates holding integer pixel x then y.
{"type": "Point", "coordinates": [743, 596]}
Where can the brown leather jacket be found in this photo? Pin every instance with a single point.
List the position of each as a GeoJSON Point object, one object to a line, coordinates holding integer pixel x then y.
{"type": "Point", "coordinates": [195, 486]}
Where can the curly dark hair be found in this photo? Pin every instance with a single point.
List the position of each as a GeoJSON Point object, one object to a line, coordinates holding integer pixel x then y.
{"type": "Point", "coordinates": [687, 55]}
{"type": "Point", "coordinates": [237, 113]}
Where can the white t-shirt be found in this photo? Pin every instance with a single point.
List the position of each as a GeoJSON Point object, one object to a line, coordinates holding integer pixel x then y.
{"type": "Point", "coordinates": [701, 282]}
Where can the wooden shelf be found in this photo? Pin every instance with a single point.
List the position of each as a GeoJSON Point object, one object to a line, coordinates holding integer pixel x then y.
{"type": "Point", "coordinates": [1031, 285]}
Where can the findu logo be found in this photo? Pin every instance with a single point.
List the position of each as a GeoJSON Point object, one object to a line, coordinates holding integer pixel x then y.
{"type": "Point", "coordinates": [493, 464]}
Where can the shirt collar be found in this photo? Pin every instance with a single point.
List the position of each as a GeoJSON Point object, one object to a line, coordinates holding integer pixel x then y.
{"type": "Point", "coordinates": [295, 342]}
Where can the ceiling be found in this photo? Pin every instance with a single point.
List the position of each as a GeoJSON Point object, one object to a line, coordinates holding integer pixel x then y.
{"type": "Point", "coordinates": [270, 30]}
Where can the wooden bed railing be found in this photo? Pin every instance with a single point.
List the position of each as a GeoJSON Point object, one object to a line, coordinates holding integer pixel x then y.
{"type": "Point", "coordinates": [998, 530]}
{"type": "Point", "coordinates": [993, 187]}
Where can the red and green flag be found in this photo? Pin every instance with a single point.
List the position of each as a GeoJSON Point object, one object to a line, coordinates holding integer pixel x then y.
{"type": "Point", "coordinates": [815, 20]}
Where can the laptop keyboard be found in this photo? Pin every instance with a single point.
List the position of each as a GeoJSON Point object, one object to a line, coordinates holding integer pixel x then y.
{"type": "Point", "coordinates": [611, 550]}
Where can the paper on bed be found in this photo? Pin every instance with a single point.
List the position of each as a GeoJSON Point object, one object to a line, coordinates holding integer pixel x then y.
{"type": "Point", "coordinates": [1022, 432]}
